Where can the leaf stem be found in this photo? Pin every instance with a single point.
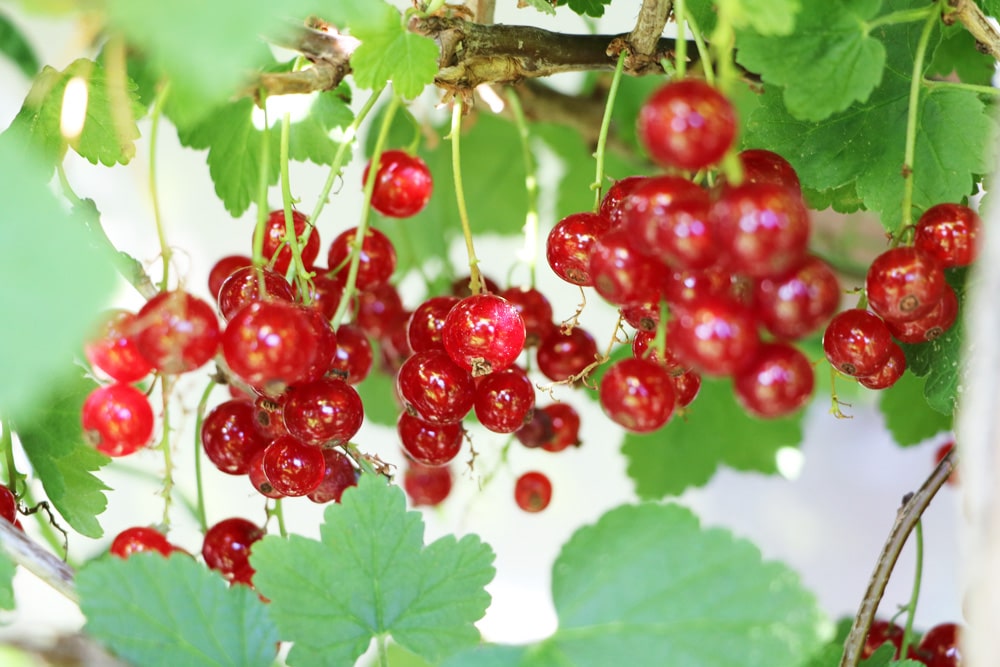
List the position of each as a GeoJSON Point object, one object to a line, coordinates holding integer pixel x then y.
{"type": "Point", "coordinates": [911, 608]}
{"type": "Point", "coordinates": [199, 420]}
{"type": "Point", "coordinates": [366, 209]}
{"type": "Point", "coordinates": [262, 186]}
{"type": "Point", "coordinates": [278, 512]}
{"type": "Point", "coordinates": [911, 124]}
{"type": "Point", "coordinates": [529, 254]}
{"type": "Point", "coordinates": [475, 280]}
{"type": "Point", "coordinates": [162, 92]}
{"type": "Point", "coordinates": [901, 16]}
{"type": "Point", "coordinates": [383, 651]}
{"type": "Point", "coordinates": [291, 236]}
{"type": "Point", "coordinates": [602, 138]}
{"type": "Point", "coordinates": [703, 55]}
{"type": "Point", "coordinates": [958, 85]}
{"type": "Point", "coordinates": [680, 52]}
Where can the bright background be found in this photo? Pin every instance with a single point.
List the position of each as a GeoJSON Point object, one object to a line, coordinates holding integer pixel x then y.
{"type": "Point", "coordinates": [828, 520]}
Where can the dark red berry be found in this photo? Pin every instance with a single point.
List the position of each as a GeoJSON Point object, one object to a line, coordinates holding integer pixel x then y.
{"type": "Point", "coordinates": [117, 419]}
{"type": "Point", "coordinates": [611, 204]}
{"type": "Point", "coordinates": [427, 321]}
{"type": "Point", "coordinates": [643, 348]}
{"type": "Point", "coordinates": [376, 258]}
{"type": "Point", "coordinates": [882, 631]}
{"type": "Point", "coordinates": [226, 547]}
{"type": "Point", "coordinates": [621, 274]}
{"type": "Point", "coordinates": [565, 427]}
{"type": "Point", "coordinates": [567, 247]}
{"type": "Point", "coordinates": [687, 124]}
{"type": "Point", "coordinates": [435, 388]}
{"type": "Point", "coordinates": [939, 647]}
{"type": "Point", "coordinates": [259, 479]}
{"type": "Point", "coordinates": [427, 485]}
{"type": "Point", "coordinates": [324, 413]}
{"type": "Point", "coordinates": [686, 387]}
{"type": "Point", "coordinates": [267, 417]}
{"type": "Point", "coordinates": [857, 342]}
{"type": "Point", "coordinates": [533, 491]}
{"type": "Point", "coordinates": [904, 283]}
{"type": "Point", "coordinates": [560, 355]}
{"type": "Point", "coordinates": [224, 268]}
{"type": "Point", "coordinates": [483, 334]}
{"type": "Point", "coordinates": [339, 475]}
{"type": "Point", "coordinates": [403, 184]}
{"type": "Point", "coordinates": [950, 233]}
{"type": "Point", "coordinates": [177, 332]}
{"type": "Point", "coordinates": [537, 431]}
{"type": "Point", "coordinates": [797, 303]}
{"type": "Point", "coordinates": [713, 335]}
{"type": "Point", "coordinates": [353, 359]}
{"type": "Point", "coordinates": [889, 373]}
{"type": "Point", "coordinates": [379, 311]}
{"type": "Point", "coordinates": [763, 166]}
{"type": "Point", "coordinates": [940, 318]}
{"type": "Point", "coordinates": [462, 286]}
{"type": "Point", "coordinates": [292, 467]}
{"type": "Point", "coordinates": [505, 400]}
{"type": "Point", "coordinates": [8, 504]}
{"type": "Point", "coordinates": [429, 444]}
{"type": "Point", "coordinates": [535, 311]}
{"type": "Point", "coordinates": [250, 284]}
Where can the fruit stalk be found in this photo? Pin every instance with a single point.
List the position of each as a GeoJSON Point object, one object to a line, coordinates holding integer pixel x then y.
{"type": "Point", "coordinates": [475, 279]}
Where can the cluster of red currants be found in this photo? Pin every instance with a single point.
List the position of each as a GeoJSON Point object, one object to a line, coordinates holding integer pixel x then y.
{"type": "Point", "coordinates": [909, 298]}
{"type": "Point", "coordinates": [939, 646]}
{"type": "Point", "coordinates": [722, 262]}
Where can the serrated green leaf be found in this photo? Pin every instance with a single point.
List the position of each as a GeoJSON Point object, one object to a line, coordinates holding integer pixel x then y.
{"type": "Point", "coordinates": [544, 6]}
{"type": "Point", "coordinates": [646, 585]}
{"type": "Point", "coordinates": [842, 200]}
{"type": "Point", "coordinates": [593, 8]}
{"type": "Point", "coordinates": [7, 569]}
{"type": "Point", "coordinates": [309, 138]}
{"type": "Point", "coordinates": [34, 228]}
{"type": "Point", "coordinates": [715, 431]}
{"type": "Point", "coordinates": [829, 654]}
{"type": "Point", "coordinates": [957, 53]}
{"type": "Point", "coordinates": [153, 611]}
{"type": "Point", "coordinates": [370, 576]}
{"type": "Point", "coordinates": [827, 63]}
{"type": "Point", "coordinates": [107, 137]}
{"type": "Point", "coordinates": [767, 17]}
{"type": "Point", "coordinates": [16, 46]}
{"type": "Point", "coordinates": [907, 415]}
{"type": "Point", "coordinates": [409, 60]}
{"type": "Point", "coordinates": [53, 441]}
{"type": "Point", "coordinates": [939, 362]}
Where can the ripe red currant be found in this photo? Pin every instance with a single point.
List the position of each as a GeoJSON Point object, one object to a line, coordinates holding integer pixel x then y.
{"type": "Point", "coordinates": [337, 477]}
{"type": "Point", "coordinates": [277, 250]}
{"type": "Point", "coordinates": [939, 647]}
{"type": "Point", "coordinates": [687, 124]}
{"type": "Point", "coordinates": [882, 631]}
{"type": "Point", "coordinates": [113, 348]}
{"type": "Point", "coordinates": [763, 166]}
{"type": "Point", "coordinates": [324, 413]}
{"type": "Point", "coordinates": [435, 388]}
{"type": "Point", "coordinates": [250, 284]}
{"type": "Point", "coordinates": [638, 394]}
{"type": "Point", "coordinates": [904, 283]}
{"type": "Point", "coordinates": [505, 400]}
{"type": "Point", "coordinates": [138, 539]}
{"type": "Point", "coordinates": [611, 204]}
{"type": "Point", "coordinates": [940, 318]}
{"type": "Point", "coordinates": [621, 274]}
{"type": "Point", "coordinates": [429, 444]}
{"type": "Point", "coordinates": [535, 311]}
{"type": "Point", "coordinates": [353, 359]}
{"type": "Point", "coordinates": [427, 321]}
{"type": "Point", "coordinates": [230, 436]}
{"type": "Point", "coordinates": [776, 383]}
{"type": "Point", "coordinates": [565, 422]}
{"type": "Point", "coordinates": [796, 304]}
{"type": "Point", "coordinates": [567, 247]}
{"type": "Point", "coordinates": [950, 233]}
{"type": "Point", "coordinates": [226, 548]}
{"type": "Point", "coordinates": [224, 268]}
{"type": "Point", "coordinates": [379, 311]}
{"type": "Point", "coordinates": [117, 419]}
{"type": "Point", "coordinates": [292, 467]}
{"type": "Point", "coordinates": [714, 335]}
{"type": "Point", "coordinates": [533, 491]}
{"type": "Point", "coordinates": [560, 355]}
{"type": "Point", "coordinates": [177, 332]}
{"type": "Point", "coordinates": [403, 184]}
{"type": "Point", "coordinates": [857, 342]}
{"type": "Point", "coordinates": [889, 373]}
{"type": "Point", "coordinates": [376, 258]}
{"type": "Point", "coordinates": [8, 504]}
{"type": "Point", "coordinates": [427, 485]}
{"type": "Point", "coordinates": [483, 334]}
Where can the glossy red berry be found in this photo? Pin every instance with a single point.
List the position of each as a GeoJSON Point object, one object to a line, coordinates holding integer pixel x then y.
{"type": "Point", "coordinates": [292, 467]}
{"type": "Point", "coordinates": [224, 268]}
{"type": "Point", "coordinates": [427, 321]}
{"type": "Point", "coordinates": [276, 244]}
{"type": "Point", "coordinates": [857, 342]}
{"type": "Point", "coordinates": [687, 124]}
{"type": "Point", "coordinates": [117, 419]}
{"type": "Point", "coordinates": [427, 485]}
{"type": "Point", "coordinates": [932, 325]}
{"type": "Point", "coordinates": [505, 400]}
{"type": "Point", "coordinates": [324, 413]}
{"type": "Point", "coordinates": [763, 166]}
{"type": "Point", "coordinates": [611, 204]}
{"type": "Point", "coordinates": [8, 504]}
{"type": "Point", "coordinates": [777, 382]}
{"type": "Point", "coordinates": [429, 444]}
{"type": "Point", "coordinates": [139, 539]}
{"type": "Point", "coordinates": [889, 373]}
{"type": "Point", "coordinates": [623, 275]}
{"type": "Point", "coordinates": [565, 422]}
{"type": "Point", "coordinates": [536, 431]}
{"type": "Point", "coordinates": [638, 394]}
{"type": "Point", "coordinates": [713, 335]}
{"type": "Point", "coordinates": [353, 359]}
{"type": "Point", "coordinates": [950, 233]}
{"type": "Point", "coordinates": [326, 291]}
{"type": "Point", "coordinates": [535, 310]}
{"type": "Point", "coordinates": [567, 247]}
{"type": "Point", "coordinates": [259, 480]}
{"type": "Point", "coordinates": [434, 388]}
{"type": "Point", "coordinates": [645, 210]}
{"type": "Point", "coordinates": [483, 334]}
{"type": "Point", "coordinates": [797, 303]}
{"type": "Point", "coordinates": [230, 438]}
{"type": "Point", "coordinates": [376, 259]}
{"type": "Point", "coordinates": [403, 184]}
{"type": "Point", "coordinates": [642, 316]}
{"type": "Point", "coordinates": [267, 417]}
{"type": "Point", "coordinates": [226, 548]}
{"type": "Point", "coordinates": [113, 348]}
{"type": "Point", "coordinates": [643, 348]}
{"type": "Point", "coordinates": [379, 311]}
{"type": "Point", "coordinates": [177, 332]}
{"type": "Point", "coordinates": [904, 283]}
{"type": "Point", "coordinates": [939, 647]}
{"type": "Point", "coordinates": [686, 387]}
{"type": "Point", "coordinates": [339, 475]}
{"type": "Point", "coordinates": [533, 491]}
{"type": "Point", "coordinates": [249, 284]}
{"type": "Point", "coordinates": [560, 355]}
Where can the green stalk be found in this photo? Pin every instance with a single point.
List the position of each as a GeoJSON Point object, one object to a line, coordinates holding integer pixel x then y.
{"type": "Point", "coordinates": [278, 512]}
{"type": "Point", "coordinates": [166, 387]}
{"type": "Point", "coordinates": [680, 44]}
{"type": "Point", "coordinates": [530, 252]}
{"type": "Point", "coordinates": [703, 53]}
{"type": "Point", "coordinates": [7, 444]}
{"type": "Point", "coordinates": [901, 16]}
{"type": "Point", "coordinates": [958, 85]}
{"type": "Point", "coordinates": [198, 422]}
{"type": "Point", "coordinates": [162, 93]}
{"type": "Point", "coordinates": [475, 280]}
{"type": "Point", "coordinates": [291, 236]}
{"type": "Point", "coordinates": [362, 230]}
{"type": "Point", "coordinates": [911, 609]}
{"type": "Point", "coordinates": [602, 138]}
{"type": "Point", "coordinates": [262, 207]}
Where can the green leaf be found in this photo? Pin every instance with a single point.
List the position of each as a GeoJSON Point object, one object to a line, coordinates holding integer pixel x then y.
{"type": "Point", "coordinates": [153, 610]}
{"type": "Point", "coordinates": [370, 576]}
{"type": "Point", "coordinates": [408, 60]}
{"type": "Point", "coordinates": [544, 6]}
{"type": "Point", "coordinates": [365, 15]}
{"type": "Point", "coordinates": [940, 363]}
{"type": "Point", "coordinates": [7, 569]}
{"type": "Point", "coordinates": [957, 53]}
{"type": "Point", "coordinates": [907, 415]}
{"type": "Point", "coordinates": [990, 7]}
{"type": "Point", "coordinates": [53, 442]}
{"type": "Point", "coordinates": [646, 585]}
{"type": "Point", "coordinates": [377, 392]}
{"type": "Point", "coordinates": [827, 63]}
{"type": "Point", "coordinates": [715, 430]}
{"type": "Point", "coordinates": [767, 17]}
{"type": "Point", "coordinates": [106, 136]}
{"type": "Point", "coordinates": [16, 46]}
{"type": "Point", "coordinates": [593, 8]}
{"type": "Point", "coordinates": [36, 230]}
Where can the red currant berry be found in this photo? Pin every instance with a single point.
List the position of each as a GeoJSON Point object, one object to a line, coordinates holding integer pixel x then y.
{"type": "Point", "coordinates": [535, 311]}
{"type": "Point", "coordinates": [686, 387]}
{"type": "Point", "coordinates": [643, 348]}
{"type": "Point", "coordinates": [687, 124]}
{"type": "Point", "coordinates": [621, 274]}
{"type": "Point", "coordinates": [714, 335]}
{"type": "Point", "coordinates": [376, 259]}
{"type": "Point", "coordinates": [857, 342]}
{"type": "Point", "coordinates": [326, 291]}
{"type": "Point", "coordinates": [246, 285]}
{"type": "Point", "coordinates": [483, 334]}
{"type": "Point", "coordinates": [567, 247]}
{"type": "Point", "coordinates": [380, 311]}
{"type": "Point", "coordinates": [434, 388]}
{"type": "Point", "coordinates": [638, 394]}
{"type": "Point", "coordinates": [429, 444]}
{"type": "Point", "coordinates": [426, 322]}
{"type": "Point", "coordinates": [276, 243]}
{"type": "Point", "coordinates": [177, 332]}
{"type": "Point", "coordinates": [796, 304]}
{"type": "Point", "coordinates": [533, 491]}
{"type": "Point", "coordinates": [113, 347]}
{"type": "Point", "coordinates": [427, 485]}
{"type": "Point", "coordinates": [941, 317]}
{"type": "Point", "coordinates": [117, 419]}
{"type": "Point", "coordinates": [138, 539]}
{"type": "Point", "coordinates": [776, 383]}
{"type": "Point", "coordinates": [267, 417]}
{"type": "Point", "coordinates": [882, 631]}
{"type": "Point", "coordinates": [889, 373]}
{"type": "Point", "coordinates": [565, 427]}
{"type": "Point", "coordinates": [642, 211]}
{"type": "Point", "coordinates": [403, 184]}
{"type": "Point", "coordinates": [8, 504]}
{"type": "Point", "coordinates": [949, 233]}
{"type": "Point", "coordinates": [338, 476]}
{"type": "Point", "coordinates": [504, 401]}
{"type": "Point", "coordinates": [227, 544]}
{"type": "Point", "coordinates": [642, 316]}
{"type": "Point", "coordinates": [292, 467]}
{"type": "Point", "coordinates": [939, 647]}
{"type": "Point", "coordinates": [259, 479]}
{"type": "Point", "coordinates": [763, 166]}
{"type": "Point", "coordinates": [611, 204]}
{"type": "Point", "coordinates": [324, 413]}
{"type": "Point", "coordinates": [353, 359]}
{"type": "Point", "coordinates": [224, 268]}
{"type": "Point", "coordinates": [560, 355]}
{"type": "Point", "coordinates": [230, 437]}
{"type": "Point", "coordinates": [685, 287]}
{"type": "Point", "coordinates": [537, 431]}
{"type": "Point", "coordinates": [904, 283]}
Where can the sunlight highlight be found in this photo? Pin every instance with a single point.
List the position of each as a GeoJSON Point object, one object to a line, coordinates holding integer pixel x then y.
{"type": "Point", "coordinates": [74, 108]}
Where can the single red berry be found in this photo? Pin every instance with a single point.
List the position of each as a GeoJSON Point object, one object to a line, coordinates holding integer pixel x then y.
{"type": "Point", "coordinates": [504, 401]}
{"type": "Point", "coordinates": [643, 348]}
{"type": "Point", "coordinates": [882, 631]}
{"type": "Point", "coordinates": [138, 539]}
{"type": "Point", "coordinates": [932, 325]}
{"type": "Point", "coordinates": [797, 303]}
{"type": "Point", "coordinates": [533, 491]}
{"type": "Point", "coordinates": [326, 344]}
{"type": "Point", "coordinates": [403, 184]}
{"type": "Point", "coordinates": [642, 316]}
{"type": "Point", "coordinates": [117, 419]}
{"type": "Point", "coordinates": [379, 311]}
{"type": "Point", "coordinates": [688, 286]}
{"type": "Point", "coordinates": [623, 275]}
{"type": "Point", "coordinates": [249, 284]}
{"type": "Point", "coordinates": [427, 485]}
{"type": "Point", "coordinates": [535, 310]}
{"type": "Point", "coordinates": [763, 166]}
{"type": "Point", "coordinates": [889, 373]}
{"type": "Point", "coordinates": [776, 383]}
{"type": "Point", "coordinates": [950, 233]}
{"type": "Point", "coordinates": [8, 504]}
{"type": "Point", "coordinates": [337, 477]}
{"type": "Point", "coordinates": [293, 467]}
{"type": "Point", "coordinates": [259, 480]}
{"type": "Point", "coordinates": [427, 321]}
{"type": "Point", "coordinates": [376, 259]}
{"type": "Point", "coordinates": [177, 332]}
{"type": "Point", "coordinates": [645, 211]}
{"type": "Point", "coordinates": [567, 247]}
{"type": "Point", "coordinates": [939, 647]}
{"type": "Point", "coordinates": [560, 355]}
{"type": "Point", "coordinates": [230, 437]}
{"type": "Point", "coordinates": [353, 359]}
{"type": "Point", "coordinates": [113, 348]}
{"type": "Point", "coordinates": [429, 444]}
{"type": "Point", "coordinates": [713, 335]}
{"type": "Point", "coordinates": [483, 334]}
{"type": "Point", "coordinates": [324, 413]}
{"type": "Point", "coordinates": [434, 388]}
{"type": "Point", "coordinates": [326, 291]}
{"type": "Point", "coordinates": [686, 387]}
{"type": "Point", "coordinates": [276, 242]}
{"type": "Point", "coordinates": [904, 283]}
{"type": "Point", "coordinates": [638, 394]}
{"type": "Point", "coordinates": [611, 204]}
{"type": "Point", "coordinates": [224, 268]}
{"type": "Point", "coordinates": [537, 431]}
{"type": "Point", "coordinates": [857, 342]}
{"type": "Point", "coordinates": [227, 544]}
{"type": "Point", "coordinates": [687, 124]}
{"type": "Point", "coordinates": [565, 427]}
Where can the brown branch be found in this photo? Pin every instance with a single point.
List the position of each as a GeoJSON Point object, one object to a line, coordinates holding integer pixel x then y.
{"type": "Point", "coordinates": [645, 36]}
{"type": "Point", "coordinates": [37, 560]}
{"type": "Point", "coordinates": [979, 26]}
{"type": "Point", "coordinates": [907, 517]}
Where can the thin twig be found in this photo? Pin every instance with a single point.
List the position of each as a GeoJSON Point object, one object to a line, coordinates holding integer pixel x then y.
{"type": "Point", "coordinates": [37, 560]}
{"type": "Point", "coordinates": [907, 517]}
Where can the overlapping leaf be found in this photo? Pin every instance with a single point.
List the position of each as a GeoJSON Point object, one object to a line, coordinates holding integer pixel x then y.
{"type": "Point", "coordinates": [15, 46]}
{"type": "Point", "coordinates": [907, 414]}
{"type": "Point", "coordinates": [766, 17]}
{"type": "Point", "coordinates": [593, 8]}
{"type": "Point", "coordinates": [371, 576]}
